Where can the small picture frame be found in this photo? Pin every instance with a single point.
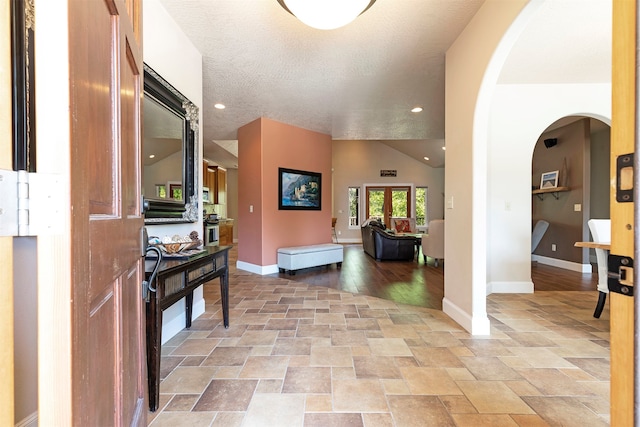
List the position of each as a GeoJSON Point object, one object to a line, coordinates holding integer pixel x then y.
{"type": "Point", "coordinates": [549, 180]}
{"type": "Point", "coordinates": [175, 190]}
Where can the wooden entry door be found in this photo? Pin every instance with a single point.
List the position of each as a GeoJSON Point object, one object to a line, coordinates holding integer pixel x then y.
{"type": "Point", "coordinates": [106, 87]}
{"type": "Point", "coordinates": [623, 226]}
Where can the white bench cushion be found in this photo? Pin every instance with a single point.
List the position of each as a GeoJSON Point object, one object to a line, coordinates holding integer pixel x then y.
{"type": "Point", "coordinates": [297, 257]}
{"type": "Point", "coordinates": [309, 248]}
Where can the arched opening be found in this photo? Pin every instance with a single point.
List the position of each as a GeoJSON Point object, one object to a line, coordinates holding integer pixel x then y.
{"type": "Point", "coordinates": [570, 185]}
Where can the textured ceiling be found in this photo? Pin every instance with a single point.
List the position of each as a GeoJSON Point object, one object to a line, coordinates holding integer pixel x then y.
{"type": "Point", "coordinates": [360, 81]}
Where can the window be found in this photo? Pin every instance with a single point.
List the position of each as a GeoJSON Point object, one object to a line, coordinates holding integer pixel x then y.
{"type": "Point", "coordinates": [354, 207]}
{"type": "Point", "coordinates": [421, 207]}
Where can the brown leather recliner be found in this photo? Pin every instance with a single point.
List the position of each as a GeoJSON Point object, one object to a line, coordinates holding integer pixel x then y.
{"type": "Point", "coordinates": [381, 245]}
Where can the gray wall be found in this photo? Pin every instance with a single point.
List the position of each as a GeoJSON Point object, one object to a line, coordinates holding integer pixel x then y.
{"type": "Point", "coordinates": [600, 174]}
{"type": "Point", "coordinates": [587, 175]}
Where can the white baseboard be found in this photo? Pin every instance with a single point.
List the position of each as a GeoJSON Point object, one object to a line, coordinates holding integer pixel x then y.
{"type": "Point", "coordinates": [29, 421]}
{"type": "Point", "coordinates": [560, 263]}
{"type": "Point", "coordinates": [171, 328]}
{"type": "Point", "coordinates": [257, 269]}
{"type": "Point", "coordinates": [509, 288]}
{"type": "Point", "coordinates": [476, 325]}
{"type": "Point", "coordinates": [349, 240]}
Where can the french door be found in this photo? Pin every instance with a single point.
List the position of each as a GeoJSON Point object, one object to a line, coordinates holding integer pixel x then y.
{"type": "Point", "coordinates": [386, 202]}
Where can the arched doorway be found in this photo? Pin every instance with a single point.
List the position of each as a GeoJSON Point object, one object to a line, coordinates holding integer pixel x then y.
{"type": "Point", "coordinates": [577, 149]}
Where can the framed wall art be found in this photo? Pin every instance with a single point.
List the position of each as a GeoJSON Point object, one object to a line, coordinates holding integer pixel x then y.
{"type": "Point", "coordinates": [299, 190]}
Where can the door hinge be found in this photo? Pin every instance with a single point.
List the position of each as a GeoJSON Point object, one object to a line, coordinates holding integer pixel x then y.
{"type": "Point", "coordinates": [31, 203]}
{"type": "Point", "coordinates": [620, 277]}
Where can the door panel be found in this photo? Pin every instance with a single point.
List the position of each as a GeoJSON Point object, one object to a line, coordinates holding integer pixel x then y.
{"type": "Point", "coordinates": [106, 89]}
{"type": "Point", "coordinates": [622, 221]}
{"type": "Point", "coordinates": [375, 203]}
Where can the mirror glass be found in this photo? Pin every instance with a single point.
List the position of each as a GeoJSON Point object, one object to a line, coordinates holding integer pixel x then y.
{"type": "Point", "coordinates": [169, 134]}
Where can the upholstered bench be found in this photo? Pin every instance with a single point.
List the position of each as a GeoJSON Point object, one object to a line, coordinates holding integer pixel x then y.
{"type": "Point", "coordinates": [298, 257]}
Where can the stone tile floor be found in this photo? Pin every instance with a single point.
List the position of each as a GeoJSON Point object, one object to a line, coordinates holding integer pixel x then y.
{"type": "Point", "coordinates": [301, 355]}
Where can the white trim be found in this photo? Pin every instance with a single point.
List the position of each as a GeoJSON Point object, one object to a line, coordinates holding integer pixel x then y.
{"type": "Point", "coordinates": [509, 288]}
{"type": "Point", "coordinates": [561, 263]}
{"type": "Point", "coordinates": [257, 269]}
{"type": "Point", "coordinates": [350, 240]}
{"type": "Point", "coordinates": [30, 421]}
{"type": "Point", "coordinates": [476, 325]}
{"type": "Point", "coordinates": [175, 324]}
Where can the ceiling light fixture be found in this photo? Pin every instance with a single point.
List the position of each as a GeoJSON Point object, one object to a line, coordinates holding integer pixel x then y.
{"type": "Point", "coordinates": [416, 109]}
{"type": "Point", "coordinates": [220, 106]}
{"type": "Point", "coordinates": [426, 158]}
{"type": "Point", "coordinates": [326, 14]}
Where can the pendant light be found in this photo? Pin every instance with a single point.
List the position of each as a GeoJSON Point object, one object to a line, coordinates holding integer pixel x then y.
{"type": "Point", "coordinates": [326, 14]}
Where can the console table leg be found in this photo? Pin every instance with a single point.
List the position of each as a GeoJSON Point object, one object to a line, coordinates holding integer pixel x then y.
{"type": "Point", "coordinates": [224, 296]}
{"type": "Point", "coordinates": [188, 309]}
{"type": "Point", "coordinates": [154, 338]}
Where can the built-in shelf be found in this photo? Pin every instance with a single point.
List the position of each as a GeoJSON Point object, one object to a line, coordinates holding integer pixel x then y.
{"type": "Point", "coordinates": [554, 191]}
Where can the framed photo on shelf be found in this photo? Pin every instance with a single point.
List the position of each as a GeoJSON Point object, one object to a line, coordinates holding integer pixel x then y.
{"type": "Point", "coordinates": [299, 190]}
{"type": "Point", "coordinates": [549, 180]}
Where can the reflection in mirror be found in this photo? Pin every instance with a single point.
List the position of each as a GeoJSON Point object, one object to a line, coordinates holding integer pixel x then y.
{"type": "Point", "coordinates": [169, 135]}
{"type": "Point", "coordinates": [162, 148]}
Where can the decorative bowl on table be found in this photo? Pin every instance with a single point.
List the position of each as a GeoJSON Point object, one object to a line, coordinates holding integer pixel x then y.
{"type": "Point", "coordinates": [175, 247]}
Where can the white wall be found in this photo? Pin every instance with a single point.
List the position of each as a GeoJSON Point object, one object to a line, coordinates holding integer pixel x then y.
{"type": "Point", "coordinates": [519, 115]}
{"type": "Point", "coordinates": [25, 331]}
{"type": "Point", "coordinates": [467, 111]}
{"type": "Point", "coordinates": [358, 162]}
{"type": "Point", "coordinates": [172, 55]}
{"type": "Point", "coordinates": [491, 131]}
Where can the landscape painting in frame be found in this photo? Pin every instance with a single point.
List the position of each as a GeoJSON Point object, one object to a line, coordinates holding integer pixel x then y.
{"type": "Point", "coordinates": [299, 190]}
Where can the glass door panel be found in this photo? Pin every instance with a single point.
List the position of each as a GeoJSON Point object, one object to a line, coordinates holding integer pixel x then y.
{"type": "Point", "coordinates": [375, 203]}
{"type": "Point", "coordinates": [383, 203]}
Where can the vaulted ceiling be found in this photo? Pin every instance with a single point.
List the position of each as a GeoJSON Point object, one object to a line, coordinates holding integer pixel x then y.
{"type": "Point", "coordinates": [359, 82]}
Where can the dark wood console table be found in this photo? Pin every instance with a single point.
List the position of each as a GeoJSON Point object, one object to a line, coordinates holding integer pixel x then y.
{"type": "Point", "coordinates": [177, 279]}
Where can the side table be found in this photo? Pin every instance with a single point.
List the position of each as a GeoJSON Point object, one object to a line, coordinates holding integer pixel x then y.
{"type": "Point", "coordinates": [177, 279]}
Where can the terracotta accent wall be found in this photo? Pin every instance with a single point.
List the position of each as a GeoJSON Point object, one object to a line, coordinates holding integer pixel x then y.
{"type": "Point", "coordinates": [250, 193]}
{"type": "Point", "coordinates": [264, 145]}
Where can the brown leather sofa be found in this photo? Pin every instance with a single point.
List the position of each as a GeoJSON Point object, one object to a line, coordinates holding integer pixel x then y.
{"type": "Point", "coordinates": [382, 245]}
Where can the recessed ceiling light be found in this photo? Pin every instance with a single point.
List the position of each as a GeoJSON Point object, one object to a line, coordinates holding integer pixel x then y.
{"type": "Point", "coordinates": [426, 158]}
{"type": "Point", "coordinates": [220, 106]}
{"type": "Point", "coordinates": [152, 156]}
{"type": "Point", "coordinates": [444, 148]}
{"type": "Point", "coordinates": [416, 109]}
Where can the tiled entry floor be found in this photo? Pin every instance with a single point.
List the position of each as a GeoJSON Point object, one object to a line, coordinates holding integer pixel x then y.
{"type": "Point", "coordinates": [300, 355]}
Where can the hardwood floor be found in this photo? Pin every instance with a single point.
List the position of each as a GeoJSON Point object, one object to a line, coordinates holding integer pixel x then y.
{"type": "Point", "coordinates": [417, 283]}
